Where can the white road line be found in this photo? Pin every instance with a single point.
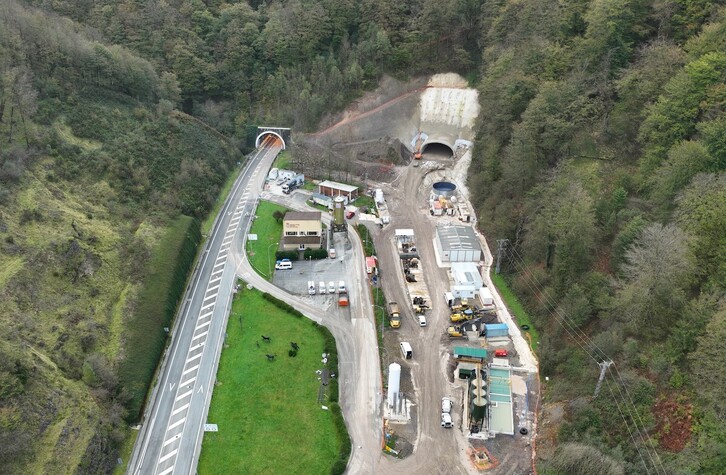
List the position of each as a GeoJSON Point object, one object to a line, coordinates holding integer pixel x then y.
{"type": "Point", "coordinates": [208, 306]}
{"type": "Point", "coordinates": [196, 347]}
{"type": "Point", "coordinates": [200, 336]}
{"type": "Point", "coordinates": [167, 442]}
{"type": "Point", "coordinates": [213, 288]}
{"type": "Point", "coordinates": [190, 370]}
{"type": "Point", "coordinates": [167, 471]}
{"type": "Point", "coordinates": [168, 456]}
{"type": "Point", "coordinates": [177, 423]}
{"type": "Point", "coordinates": [211, 299]}
{"type": "Point", "coordinates": [214, 280]}
{"type": "Point", "coordinates": [177, 411]}
{"type": "Point", "coordinates": [205, 314]}
{"type": "Point", "coordinates": [192, 359]}
{"type": "Point", "coordinates": [202, 325]}
{"type": "Point", "coordinates": [186, 393]}
{"type": "Point", "coordinates": [188, 382]}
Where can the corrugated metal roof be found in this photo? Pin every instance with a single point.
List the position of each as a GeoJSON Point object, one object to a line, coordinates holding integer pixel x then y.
{"type": "Point", "coordinates": [457, 238]}
{"type": "Point", "coordinates": [338, 186]}
{"type": "Point", "coordinates": [471, 352]}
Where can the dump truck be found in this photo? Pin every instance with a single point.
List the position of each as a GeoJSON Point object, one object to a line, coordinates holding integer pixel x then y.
{"type": "Point", "coordinates": [394, 315]}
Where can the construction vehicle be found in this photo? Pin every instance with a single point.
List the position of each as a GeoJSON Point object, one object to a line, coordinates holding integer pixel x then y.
{"type": "Point", "coordinates": [459, 317]}
{"type": "Point", "coordinates": [455, 332]}
{"type": "Point", "coordinates": [417, 149]}
{"type": "Point", "coordinates": [394, 315]}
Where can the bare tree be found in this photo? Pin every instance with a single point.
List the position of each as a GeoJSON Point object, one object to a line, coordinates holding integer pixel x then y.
{"type": "Point", "coordinates": [22, 95]}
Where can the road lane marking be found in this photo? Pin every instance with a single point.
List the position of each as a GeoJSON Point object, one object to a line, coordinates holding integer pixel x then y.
{"type": "Point", "coordinates": [208, 306]}
{"type": "Point", "coordinates": [176, 437]}
{"type": "Point", "coordinates": [171, 386]}
{"type": "Point", "coordinates": [205, 303]}
{"type": "Point", "coordinates": [202, 325]}
{"type": "Point", "coordinates": [176, 424]}
{"type": "Point", "coordinates": [196, 347]}
{"type": "Point", "coordinates": [168, 456]}
{"type": "Point", "coordinates": [213, 288]}
{"type": "Point", "coordinates": [167, 471]}
{"type": "Point", "coordinates": [215, 280]}
{"type": "Point", "coordinates": [177, 411]}
{"type": "Point", "coordinates": [201, 334]}
{"type": "Point", "coordinates": [188, 381]}
{"type": "Point", "coordinates": [198, 355]}
{"type": "Point", "coordinates": [179, 398]}
{"type": "Point", "coordinates": [190, 370]}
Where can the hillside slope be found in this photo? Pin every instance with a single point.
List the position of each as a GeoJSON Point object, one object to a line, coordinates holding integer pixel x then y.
{"type": "Point", "coordinates": [101, 186]}
{"type": "Point", "coordinates": [600, 156]}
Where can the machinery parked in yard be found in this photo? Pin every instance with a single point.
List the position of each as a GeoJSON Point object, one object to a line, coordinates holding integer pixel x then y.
{"type": "Point", "coordinates": [394, 315]}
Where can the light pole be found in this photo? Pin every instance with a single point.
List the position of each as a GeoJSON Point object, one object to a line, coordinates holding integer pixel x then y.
{"type": "Point", "coordinates": [269, 263]}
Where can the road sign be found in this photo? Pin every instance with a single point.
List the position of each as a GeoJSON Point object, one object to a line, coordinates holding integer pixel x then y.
{"type": "Point", "coordinates": [211, 428]}
{"type": "Point", "coordinates": [252, 237]}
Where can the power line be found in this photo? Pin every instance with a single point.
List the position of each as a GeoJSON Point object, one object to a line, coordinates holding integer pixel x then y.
{"type": "Point", "coordinates": [598, 355]}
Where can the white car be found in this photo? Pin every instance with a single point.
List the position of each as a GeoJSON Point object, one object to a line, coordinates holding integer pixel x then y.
{"type": "Point", "coordinates": [421, 320]}
{"type": "Point", "coordinates": [321, 288]}
{"type": "Point", "coordinates": [446, 420]}
{"type": "Point", "coordinates": [446, 404]}
{"type": "Point", "coordinates": [331, 287]}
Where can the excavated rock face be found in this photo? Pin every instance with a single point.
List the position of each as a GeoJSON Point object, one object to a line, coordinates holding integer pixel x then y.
{"type": "Point", "coordinates": [382, 129]}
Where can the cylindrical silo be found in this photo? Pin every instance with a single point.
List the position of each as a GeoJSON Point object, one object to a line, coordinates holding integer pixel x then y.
{"type": "Point", "coordinates": [478, 408]}
{"type": "Point", "coordinates": [339, 211]}
{"type": "Point", "coordinates": [394, 382]}
{"type": "Point", "coordinates": [478, 392]}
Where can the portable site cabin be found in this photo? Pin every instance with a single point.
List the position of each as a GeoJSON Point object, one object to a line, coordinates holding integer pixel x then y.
{"type": "Point", "coordinates": [496, 330]}
{"type": "Point", "coordinates": [486, 297]}
{"type": "Point", "coordinates": [476, 355]}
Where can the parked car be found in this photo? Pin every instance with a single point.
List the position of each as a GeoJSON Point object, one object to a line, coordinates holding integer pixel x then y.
{"type": "Point", "coordinates": [331, 287]}
{"type": "Point", "coordinates": [321, 288]}
{"type": "Point", "coordinates": [311, 287]}
{"type": "Point", "coordinates": [446, 404]}
{"type": "Point", "coordinates": [331, 253]}
{"type": "Point", "coordinates": [501, 353]}
{"type": "Point", "coordinates": [446, 420]}
{"type": "Point", "coordinates": [421, 320]}
{"type": "Point", "coordinates": [349, 214]}
{"type": "Point", "coordinates": [284, 264]}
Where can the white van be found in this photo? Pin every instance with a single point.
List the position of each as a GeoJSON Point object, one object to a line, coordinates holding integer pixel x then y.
{"type": "Point", "coordinates": [406, 350]}
{"type": "Point", "coordinates": [331, 253]}
{"type": "Point", "coordinates": [311, 287]}
{"type": "Point", "coordinates": [341, 287]}
{"type": "Point", "coordinates": [321, 288]}
{"type": "Point", "coordinates": [285, 264]}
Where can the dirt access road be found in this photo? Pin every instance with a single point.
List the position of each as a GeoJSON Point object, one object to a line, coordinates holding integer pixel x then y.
{"type": "Point", "coordinates": [436, 450]}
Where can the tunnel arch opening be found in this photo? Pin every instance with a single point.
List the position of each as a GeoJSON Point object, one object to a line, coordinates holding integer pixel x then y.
{"type": "Point", "coordinates": [437, 150]}
{"type": "Point", "coordinates": [260, 138]}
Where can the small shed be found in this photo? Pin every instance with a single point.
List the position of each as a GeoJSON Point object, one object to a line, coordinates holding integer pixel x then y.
{"type": "Point", "coordinates": [371, 265]}
{"type": "Point", "coordinates": [496, 330]}
{"type": "Point", "coordinates": [476, 355]}
{"type": "Point", "coordinates": [333, 188]}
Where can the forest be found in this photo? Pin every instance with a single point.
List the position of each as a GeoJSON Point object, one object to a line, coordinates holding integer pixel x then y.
{"type": "Point", "coordinates": [600, 157]}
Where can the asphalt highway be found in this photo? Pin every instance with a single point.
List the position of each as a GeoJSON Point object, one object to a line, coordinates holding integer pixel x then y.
{"type": "Point", "coordinates": [174, 422]}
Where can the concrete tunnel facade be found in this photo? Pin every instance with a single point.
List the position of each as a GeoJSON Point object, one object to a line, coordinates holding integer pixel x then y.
{"type": "Point", "coordinates": [438, 147]}
{"type": "Point", "coordinates": [264, 134]}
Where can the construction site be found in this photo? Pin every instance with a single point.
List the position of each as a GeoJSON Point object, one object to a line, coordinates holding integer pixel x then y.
{"type": "Point", "coordinates": [449, 337]}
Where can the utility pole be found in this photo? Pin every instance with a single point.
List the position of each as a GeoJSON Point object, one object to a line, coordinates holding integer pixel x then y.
{"type": "Point", "coordinates": [603, 367]}
{"type": "Point", "coordinates": [501, 245]}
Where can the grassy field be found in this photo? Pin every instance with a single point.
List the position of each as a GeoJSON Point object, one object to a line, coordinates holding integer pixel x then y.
{"type": "Point", "coordinates": [283, 160]}
{"type": "Point", "coordinates": [262, 251]}
{"type": "Point", "coordinates": [516, 309]}
{"type": "Point", "coordinates": [209, 221]}
{"type": "Point", "coordinates": [269, 416]}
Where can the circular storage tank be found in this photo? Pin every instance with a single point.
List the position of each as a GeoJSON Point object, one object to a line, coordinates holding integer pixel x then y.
{"type": "Point", "coordinates": [478, 392]}
{"type": "Point", "coordinates": [476, 383]}
{"type": "Point", "coordinates": [478, 408]}
{"type": "Point", "coordinates": [339, 211]}
{"type": "Point", "coordinates": [443, 188]}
